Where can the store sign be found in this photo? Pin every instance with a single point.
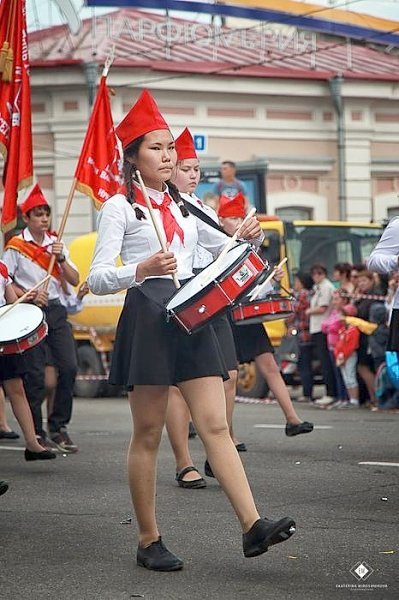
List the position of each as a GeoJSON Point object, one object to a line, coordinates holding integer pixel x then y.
{"type": "Point", "coordinates": [171, 32]}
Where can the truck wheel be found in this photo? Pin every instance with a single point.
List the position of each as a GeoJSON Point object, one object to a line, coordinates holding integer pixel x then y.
{"type": "Point", "coordinates": [89, 363]}
{"type": "Point", "coordinates": [250, 383]}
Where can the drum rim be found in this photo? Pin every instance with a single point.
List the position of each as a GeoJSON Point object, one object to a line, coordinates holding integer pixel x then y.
{"type": "Point", "coordinates": [249, 250]}
{"type": "Point", "coordinates": [4, 342]}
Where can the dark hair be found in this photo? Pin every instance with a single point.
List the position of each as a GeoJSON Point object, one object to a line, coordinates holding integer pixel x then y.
{"type": "Point", "coordinates": [318, 267]}
{"type": "Point", "coordinates": [305, 279]}
{"type": "Point", "coordinates": [358, 267]}
{"type": "Point", "coordinates": [45, 206]}
{"type": "Point", "coordinates": [129, 175]}
{"type": "Point", "coordinates": [229, 162]}
{"type": "Point", "coordinates": [343, 268]}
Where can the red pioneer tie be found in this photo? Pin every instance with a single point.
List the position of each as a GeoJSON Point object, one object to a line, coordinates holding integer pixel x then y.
{"type": "Point", "coordinates": [169, 222]}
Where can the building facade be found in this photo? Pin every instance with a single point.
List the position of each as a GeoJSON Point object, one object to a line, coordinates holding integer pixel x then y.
{"type": "Point", "coordinates": [257, 93]}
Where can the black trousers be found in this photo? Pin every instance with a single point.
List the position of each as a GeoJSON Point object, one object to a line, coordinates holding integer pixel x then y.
{"type": "Point", "coordinates": [320, 341]}
{"type": "Point", "coordinates": [62, 348]}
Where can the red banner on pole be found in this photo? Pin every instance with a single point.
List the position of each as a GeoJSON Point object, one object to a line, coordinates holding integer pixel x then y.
{"type": "Point", "coordinates": [15, 107]}
{"type": "Point", "coordinates": [98, 169]}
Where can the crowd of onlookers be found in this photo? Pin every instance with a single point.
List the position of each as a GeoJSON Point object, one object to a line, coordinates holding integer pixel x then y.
{"type": "Point", "coordinates": [344, 324]}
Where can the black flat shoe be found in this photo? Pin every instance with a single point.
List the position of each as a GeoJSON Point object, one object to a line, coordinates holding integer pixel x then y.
{"type": "Point", "coordinates": [241, 447]}
{"type": "Point", "coordinates": [291, 429]}
{"type": "Point", "coordinates": [44, 455]}
{"type": "Point", "coordinates": [265, 533]}
{"type": "Point", "coordinates": [195, 484]}
{"type": "Point", "coordinates": [207, 469]}
{"type": "Point", "coordinates": [157, 557]}
{"type": "Point", "coordinates": [9, 435]}
{"type": "Point", "coordinates": [3, 487]}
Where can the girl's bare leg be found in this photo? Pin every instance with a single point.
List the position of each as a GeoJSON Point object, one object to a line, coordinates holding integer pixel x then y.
{"type": "Point", "coordinates": [15, 391]}
{"type": "Point", "coordinates": [4, 426]}
{"type": "Point", "coordinates": [177, 420]}
{"type": "Point", "coordinates": [148, 404]}
{"type": "Point", "coordinates": [270, 371]}
{"type": "Point", "coordinates": [207, 404]}
{"type": "Point", "coordinates": [230, 394]}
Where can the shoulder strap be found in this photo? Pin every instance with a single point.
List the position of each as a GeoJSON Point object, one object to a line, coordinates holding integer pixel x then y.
{"type": "Point", "coordinates": [200, 214]}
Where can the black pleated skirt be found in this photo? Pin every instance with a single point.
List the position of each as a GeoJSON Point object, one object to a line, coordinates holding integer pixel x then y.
{"type": "Point", "coordinates": [393, 341]}
{"type": "Point", "coordinates": [149, 350]}
{"type": "Point", "coordinates": [12, 366]}
{"type": "Point", "coordinates": [251, 341]}
{"type": "Point", "coordinates": [224, 334]}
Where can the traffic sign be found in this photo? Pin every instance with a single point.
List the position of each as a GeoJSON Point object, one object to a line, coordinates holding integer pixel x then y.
{"type": "Point", "coordinates": [200, 142]}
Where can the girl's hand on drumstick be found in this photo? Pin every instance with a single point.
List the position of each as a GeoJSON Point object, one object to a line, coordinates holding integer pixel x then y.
{"type": "Point", "coordinates": [278, 274]}
{"type": "Point", "coordinates": [41, 298]}
{"type": "Point", "coordinates": [31, 297]}
{"type": "Point", "coordinates": [250, 230]}
{"type": "Point", "coordinates": [161, 263]}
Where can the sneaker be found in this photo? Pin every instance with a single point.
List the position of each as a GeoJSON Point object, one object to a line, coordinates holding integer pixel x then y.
{"type": "Point", "coordinates": [45, 443]}
{"type": "Point", "coordinates": [63, 442]}
{"type": "Point", "coordinates": [305, 399]}
{"type": "Point", "coordinates": [336, 404]}
{"type": "Point", "coordinates": [324, 401]}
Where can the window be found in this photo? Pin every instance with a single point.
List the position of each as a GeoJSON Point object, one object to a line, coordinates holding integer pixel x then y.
{"type": "Point", "coordinates": [393, 211]}
{"type": "Point", "coordinates": [290, 213]}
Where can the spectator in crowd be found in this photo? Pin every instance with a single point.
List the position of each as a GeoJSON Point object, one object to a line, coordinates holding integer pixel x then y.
{"type": "Point", "coordinates": [345, 354]}
{"type": "Point", "coordinates": [319, 310]}
{"type": "Point", "coordinates": [354, 276]}
{"type": "Point", "coordinates": [342, 275]}
{"type": "Point", "coordinates": [228, 185]}
{"type": "Point", "coordinates": [378, 340]}
{"type": "Point", "coordinates": [365, 291]}
{"type": "Point", "coordinates": [299, 322]}
{"type": "Point", "coordinates": [331, 327]}
{"type": "Point", "coordinates": [393, 286]}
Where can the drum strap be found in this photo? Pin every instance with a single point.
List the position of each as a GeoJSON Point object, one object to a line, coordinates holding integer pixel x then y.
{"type": "Point", "coordinates": [197, 212]}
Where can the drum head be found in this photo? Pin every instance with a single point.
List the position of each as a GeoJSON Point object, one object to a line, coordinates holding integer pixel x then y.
{"type": "Point", "coordinates": [206, 277]}
{"type": "Point", "coordinates": [19, 322]}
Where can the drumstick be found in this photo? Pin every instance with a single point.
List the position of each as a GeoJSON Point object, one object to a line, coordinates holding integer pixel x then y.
{"type": "Point", "coordinates": [25, 295]}
{"type": "Point", "coordinates": [258, 289]}
{"type": "Point", "coordinates": [155, 223]}
{"type": "Point", "coordinates": [228, 247]}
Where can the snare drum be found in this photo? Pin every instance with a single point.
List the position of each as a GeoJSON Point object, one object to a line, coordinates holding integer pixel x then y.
{"type": "Point", "coordinates": [271, 308]}
{"type": "Point", "coordinates": [209, 293]}
{"type": "Point", "coordinates": [21, 328]}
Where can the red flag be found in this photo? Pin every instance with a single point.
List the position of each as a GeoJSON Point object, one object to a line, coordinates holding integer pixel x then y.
{"type": "Point", "coordinates": [98, 170]}
{"type": "Point", "coordinates": [15, 110]}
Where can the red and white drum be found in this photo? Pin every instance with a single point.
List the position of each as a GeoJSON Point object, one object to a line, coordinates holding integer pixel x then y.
{"type": "Point", "coordinates": [21, 328]}
{"type": "Point", "coordinates": [210, 292]}
{"type": "Point", "coordinates": [271, 308]}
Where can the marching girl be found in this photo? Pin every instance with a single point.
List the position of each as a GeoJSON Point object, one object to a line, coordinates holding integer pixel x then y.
{"type": "Point", "coordinates": [385, 259]}
{"type": "Point", "coordinates": [252, 341]}
{"type": "Point", "coordinates": [186, 178]}
{"type": "Point", "coordinates": [152, 354]}
{"type": "Point", "coordinates": [12, 368]}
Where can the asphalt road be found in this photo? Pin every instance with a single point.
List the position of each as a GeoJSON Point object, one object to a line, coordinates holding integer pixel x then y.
{"type": "Point", "coordinates": [61, 535]}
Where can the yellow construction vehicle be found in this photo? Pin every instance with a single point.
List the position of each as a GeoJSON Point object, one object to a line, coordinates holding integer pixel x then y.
{"type": "Point", "coordinates": [302, 242]}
